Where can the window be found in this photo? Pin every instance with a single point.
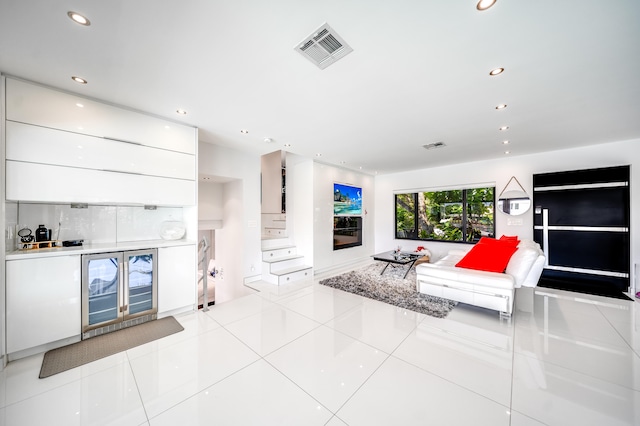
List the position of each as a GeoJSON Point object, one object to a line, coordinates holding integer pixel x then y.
{"type": "Point", "coordinates": [462, 215]}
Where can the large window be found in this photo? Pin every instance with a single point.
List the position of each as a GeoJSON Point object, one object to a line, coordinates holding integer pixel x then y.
{"type": "Point", "coordinates": [457, 215]}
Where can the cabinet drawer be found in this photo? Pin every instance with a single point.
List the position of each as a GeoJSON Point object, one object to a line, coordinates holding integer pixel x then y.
{"type": "Point", "coordinates": [43, 301]}
{"type": "Point", "coordinates": [34, 104]}
{"type": "Point", "coordinates": [56, 147]}
{"type": "Point", "coordinates": [57, 184]}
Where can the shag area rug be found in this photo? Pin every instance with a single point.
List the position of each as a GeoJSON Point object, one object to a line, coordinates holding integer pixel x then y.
{"type": "Point", "coordinates": [390, 288]}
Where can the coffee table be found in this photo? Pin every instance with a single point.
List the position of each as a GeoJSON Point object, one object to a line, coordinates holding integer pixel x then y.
{"type": "Point", "coordinates": [398, 259]}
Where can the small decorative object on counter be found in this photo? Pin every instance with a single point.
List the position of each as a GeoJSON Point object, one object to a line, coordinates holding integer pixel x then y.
{"type": "Point", "coordinates": [172, 230]}
{"type": "Point", "coordinates": [43, 234]}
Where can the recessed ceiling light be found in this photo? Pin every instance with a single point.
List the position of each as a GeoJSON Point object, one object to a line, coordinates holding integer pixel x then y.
{"type": "Point", "coordinates": [79, 80]}
{"type": "Point", "coordinates": [268, 140]}
{"type": "Point", "coordinates": [79, 19]}
{"type": "Point", "coordinates": [496, 71]}
{"type": "Point", "coordinates": [507, 152]}
{"type": "Point", "coordinates": [501, 106]}
{"type": "Point", "coordinates": [360, 167]}
{"type": "Point", "coordinates": [504, 128]}
{"type": "Point", "coordinates": [505, 142]}
{"type": "Point", "coordinates": [244, 131]}
{"type": "Point", "coordinates": [181, 112]}
{"type": "Point", "coordinates": [167, 127]}
{"type": "Point", "coordinates": [485, 4]}
{"type": "Point", "coordinates": [79, 105]}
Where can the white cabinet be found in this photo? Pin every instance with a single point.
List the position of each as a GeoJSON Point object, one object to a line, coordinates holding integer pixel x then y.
{"type": "Point", "coordinates": [42, 145]}
{"type": "Point", "coordinates": [58, 184]}
{"type": "Point", "coordinates": [34, 104]}
{"type": "Point", "coordinates": [43, 301]}
{"type": "Point", "coordinates": [64, 148]}
{"type": "Point", "coordinates": [176, 278]}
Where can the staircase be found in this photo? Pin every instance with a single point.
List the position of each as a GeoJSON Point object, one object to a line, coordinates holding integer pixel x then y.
{"type": "Point", "coordinates": [281, 264]}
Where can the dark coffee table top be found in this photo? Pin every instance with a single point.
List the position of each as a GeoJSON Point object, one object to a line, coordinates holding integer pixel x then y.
{"type": "Point", "coordinates": [400, 258]}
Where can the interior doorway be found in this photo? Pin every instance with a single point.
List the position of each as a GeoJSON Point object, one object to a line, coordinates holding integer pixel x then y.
{"type": "Point", "coordinates": [207, 270]}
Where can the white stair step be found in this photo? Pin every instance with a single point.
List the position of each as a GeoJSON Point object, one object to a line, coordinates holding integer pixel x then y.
{"type": "Point", "coordinates": [273, 232]}
{"type": "Point", "coordinates": [281, 264]}
{"type": "Point", "coordinates": [280, 255]}
{"type": "Point", "coordinates": [291, 270]}
{"type": "Point", "coordinates": [275, 242]}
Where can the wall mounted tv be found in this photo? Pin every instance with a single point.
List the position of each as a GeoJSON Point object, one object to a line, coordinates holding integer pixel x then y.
{"type": "Point", "coordinates": [347, 200]}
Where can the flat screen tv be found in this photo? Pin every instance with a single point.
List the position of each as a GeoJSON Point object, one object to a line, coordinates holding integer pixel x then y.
{"type": "Point", "coordinates": [347, 200]}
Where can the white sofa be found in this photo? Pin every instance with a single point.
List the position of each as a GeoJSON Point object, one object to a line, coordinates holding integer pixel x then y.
{"type": "Point", "coordinates": [490, 290]}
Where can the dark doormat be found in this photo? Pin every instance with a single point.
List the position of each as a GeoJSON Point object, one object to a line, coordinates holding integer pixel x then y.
{"type": "Point", "coordinates": [67, 357]}
{"type": "Point", "coordinates": [583, 287]}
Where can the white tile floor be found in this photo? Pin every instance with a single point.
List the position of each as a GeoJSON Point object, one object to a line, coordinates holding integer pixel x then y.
{"type": "Point", "coordinates": [311, 355]}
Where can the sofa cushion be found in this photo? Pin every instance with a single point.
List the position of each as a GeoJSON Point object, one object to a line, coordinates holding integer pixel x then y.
{"type": "Point", "coordinates": [461, 277]}
{"type": "Point", "coordinates": [521, 262]}
{"type": "Point", "coordinates": [490, 257]}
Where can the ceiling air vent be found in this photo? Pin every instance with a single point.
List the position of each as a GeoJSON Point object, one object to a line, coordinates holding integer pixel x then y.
{"type": "Point", "coordinates": [434, 145]}
{"type": "Point", "coordinates": [323, 47]}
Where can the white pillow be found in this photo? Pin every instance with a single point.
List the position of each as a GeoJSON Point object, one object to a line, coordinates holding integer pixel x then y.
{"type": "Point", "coordinates": [520, 263]}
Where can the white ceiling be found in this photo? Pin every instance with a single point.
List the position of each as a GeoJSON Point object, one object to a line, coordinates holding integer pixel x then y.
{"type": "Point", "coordinates": [418, 73]}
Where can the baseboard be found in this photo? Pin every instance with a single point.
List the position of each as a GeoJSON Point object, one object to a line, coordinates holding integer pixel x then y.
{"type": "Point", "coordinates": [342, 267]}
{"type": "Point", "coordinates": [252, 279]}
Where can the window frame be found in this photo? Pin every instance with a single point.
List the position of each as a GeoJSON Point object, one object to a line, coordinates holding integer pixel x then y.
{"type": "Point", "coordinates": [415, 232]}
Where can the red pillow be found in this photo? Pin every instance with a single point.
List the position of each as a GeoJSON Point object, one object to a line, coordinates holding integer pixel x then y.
{"type": "Point", "coordinates": [488, 257]}
{"type": "Point", "coordinates": [500, 242]}
{"type": "Point", "coordinates": [509, 238]}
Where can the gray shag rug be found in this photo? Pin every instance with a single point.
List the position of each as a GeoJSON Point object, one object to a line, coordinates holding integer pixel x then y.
{"type": "Point", "coordinates": [391, 288]}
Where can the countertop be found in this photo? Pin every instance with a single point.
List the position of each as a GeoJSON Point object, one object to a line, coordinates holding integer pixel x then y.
{"type": "Point", "coordinates": [89, 248]}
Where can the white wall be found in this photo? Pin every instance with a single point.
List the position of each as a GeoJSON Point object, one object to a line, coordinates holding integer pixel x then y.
{"type": "Point", "coordinates": [324, 257]}
{"type": "Point", "coordinates": [210, 201]}
{"type": "Point", "coordinates": [300, 204]}
{"type": "Point", "coordinates": [240, 239]}
{"type": "Point", "coordinates": [97, 224]}
{"type": "Point", "coordinates": [499, 172]}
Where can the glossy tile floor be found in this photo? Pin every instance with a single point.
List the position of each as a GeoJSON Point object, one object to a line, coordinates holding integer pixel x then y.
{"type": "Point", "coordinates": [312, 355]}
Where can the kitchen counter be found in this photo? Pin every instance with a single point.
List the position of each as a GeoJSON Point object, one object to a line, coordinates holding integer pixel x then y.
{"type": "Point", "coordinates": [89, 248]}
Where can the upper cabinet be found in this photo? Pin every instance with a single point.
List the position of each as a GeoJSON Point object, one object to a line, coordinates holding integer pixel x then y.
{"type": "Point", "coordinates": [62, 148]}
{"type": "Point", "coordinates": [33, 104]}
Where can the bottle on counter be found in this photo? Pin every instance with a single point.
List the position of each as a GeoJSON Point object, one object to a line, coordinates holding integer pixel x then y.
{"type": "Point", "coordinates": [43, 234]}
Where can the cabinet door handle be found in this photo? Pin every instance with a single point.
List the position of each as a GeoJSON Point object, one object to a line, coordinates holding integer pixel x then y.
{"type": "Point", "coordinates": [121, 286]}
{"type": "Point", "coordinates": [120, 140]}
{"type": "Point", "coordinates": [120, 171]}
{"type": "Point", "coordinates": [125, 299]}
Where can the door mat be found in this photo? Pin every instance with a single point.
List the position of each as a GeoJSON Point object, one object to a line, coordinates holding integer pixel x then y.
{"type": "Point", "coordinates": [67, 357]}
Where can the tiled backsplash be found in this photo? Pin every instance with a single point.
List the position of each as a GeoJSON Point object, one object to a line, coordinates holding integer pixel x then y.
{"type": "Point", "coordinates": [94, 224]}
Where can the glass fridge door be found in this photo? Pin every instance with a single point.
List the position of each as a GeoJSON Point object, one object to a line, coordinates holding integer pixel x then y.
{"type": "Point", "coordinates": [141, 288]}
{"type": "Point", "coordinates": [101, 285]}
